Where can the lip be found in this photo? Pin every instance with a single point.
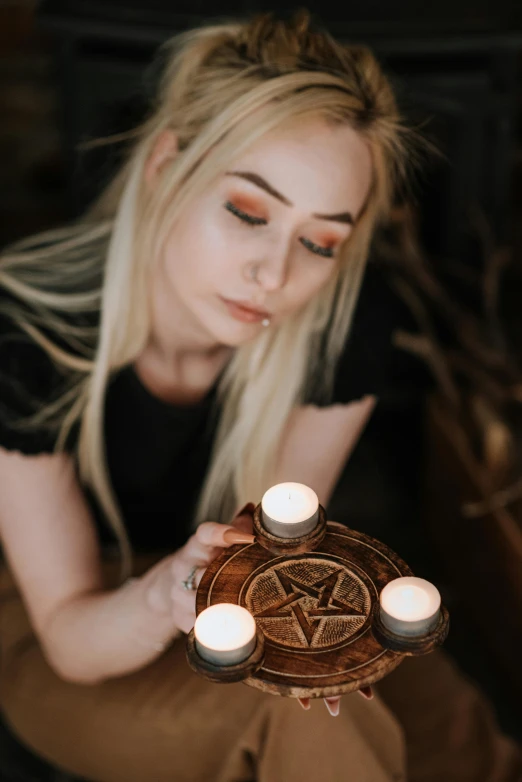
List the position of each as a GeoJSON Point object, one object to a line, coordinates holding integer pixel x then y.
{"type": "Point", "coordinates": [245, 313]}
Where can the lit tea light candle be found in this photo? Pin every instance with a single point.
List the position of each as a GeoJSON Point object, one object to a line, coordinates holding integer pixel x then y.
{"type": "Point", "coordinates": [290, 510]}
{"type": "Point", "coordinates": [225, 634]}
{"type": "Point", "coordinates": [410, 606]}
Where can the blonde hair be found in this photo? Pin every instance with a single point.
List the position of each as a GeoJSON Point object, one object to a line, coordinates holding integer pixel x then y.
{"type": "Point", "coordinates": [222, 87]}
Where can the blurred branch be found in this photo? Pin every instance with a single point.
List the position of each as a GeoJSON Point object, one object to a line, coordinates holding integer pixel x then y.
{"type": "Point", "coordinates": [466, 347]}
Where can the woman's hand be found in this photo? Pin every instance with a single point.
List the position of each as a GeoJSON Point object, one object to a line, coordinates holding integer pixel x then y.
{"type": "Point", "coordinates": [198, 552]}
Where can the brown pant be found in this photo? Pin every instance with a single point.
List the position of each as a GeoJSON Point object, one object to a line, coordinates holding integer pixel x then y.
{"type": "Point", "coordinates": [166, 724]}
{"type": "Point", "coordinates": [451, 733]}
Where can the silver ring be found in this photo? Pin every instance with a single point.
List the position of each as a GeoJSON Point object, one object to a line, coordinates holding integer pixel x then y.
{"type": "Point", "coordinates": [190, 582]}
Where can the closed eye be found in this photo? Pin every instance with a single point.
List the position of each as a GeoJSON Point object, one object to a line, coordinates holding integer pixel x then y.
{"type": "Point", "coordinates": [316, 249]}
{"type": "Point", "coordinates": [246, 218]}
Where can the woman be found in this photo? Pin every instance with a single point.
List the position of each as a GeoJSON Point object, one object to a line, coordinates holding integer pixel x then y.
{"type": "Point", "coordinates": [165, 347]}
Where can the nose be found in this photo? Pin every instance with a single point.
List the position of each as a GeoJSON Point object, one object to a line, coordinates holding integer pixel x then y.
{"type": "Point", "coordinates": [274, 269]}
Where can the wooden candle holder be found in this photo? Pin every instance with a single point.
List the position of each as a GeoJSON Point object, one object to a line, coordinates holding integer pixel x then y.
{"type": "Point", "coordinates": [226, 673]}
{"type": "Point", "coordinates": [289, 546]}
{"type": "Point", "coordinates": [410, 646]}
{"type": "Point", "coordinates": [315, 601]}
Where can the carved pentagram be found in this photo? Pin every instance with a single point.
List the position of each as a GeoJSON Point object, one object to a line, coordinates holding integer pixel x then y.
{"type": "Point", "coordinates": [308, 603]}
{"type": "Point", "coordinates": [314, 610]}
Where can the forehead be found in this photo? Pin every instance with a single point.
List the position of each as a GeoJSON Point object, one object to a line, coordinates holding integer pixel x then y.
{"type": "Point", "coordinates": [318, 166]}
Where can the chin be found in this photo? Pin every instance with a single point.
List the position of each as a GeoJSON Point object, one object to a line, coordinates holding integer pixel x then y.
{"type": "Point", "coordinates": [235, 335]}
{"type": "Point", "coordinates": [236, 340]}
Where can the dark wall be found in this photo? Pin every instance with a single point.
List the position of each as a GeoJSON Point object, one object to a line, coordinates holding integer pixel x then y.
{"type": "Point", "coordinates": [32, 170]}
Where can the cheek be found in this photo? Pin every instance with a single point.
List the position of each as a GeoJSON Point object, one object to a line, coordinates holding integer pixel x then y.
{"type": "Point", "coordinates": [171, 259]}
{"type": "Point", "coordinates": [198, 252]}
{"type": "Point", "coordinates": [311, 280]}
{"type": "Point", "coordinates": [222, 250]}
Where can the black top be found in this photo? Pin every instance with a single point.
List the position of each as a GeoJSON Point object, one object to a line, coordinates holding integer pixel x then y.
{"type": "Point", "coordinates": [158, 452]}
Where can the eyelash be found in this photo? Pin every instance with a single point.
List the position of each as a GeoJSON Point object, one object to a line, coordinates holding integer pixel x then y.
{"type": "Point", "coordinates": [244, 216]}
{"type": "Point", "coordinates": [325, 252]}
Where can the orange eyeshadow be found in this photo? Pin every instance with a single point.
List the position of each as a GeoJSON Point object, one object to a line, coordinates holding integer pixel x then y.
{"type": "Point", "coordinates": [246, 204]}
{"type": "Point", "coordinates": [327, 241]}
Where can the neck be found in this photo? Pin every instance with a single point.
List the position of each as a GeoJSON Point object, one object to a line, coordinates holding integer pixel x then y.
{"type": "Point", "coordinates": [180, 361]}
{"type": "Point", "coordinates": [176, 337]}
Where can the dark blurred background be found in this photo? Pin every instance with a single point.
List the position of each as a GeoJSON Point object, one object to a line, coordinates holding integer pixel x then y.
{"type": "Point", "coordinates": [73, 70]}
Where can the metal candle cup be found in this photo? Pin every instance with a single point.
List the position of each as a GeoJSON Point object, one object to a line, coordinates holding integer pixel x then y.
{"type": "Point", "coordinates": [225, 634]}
{"type": "Point", "coordinates": [410, 606]}
{"type": "Point", "coordinates": [290, 510]}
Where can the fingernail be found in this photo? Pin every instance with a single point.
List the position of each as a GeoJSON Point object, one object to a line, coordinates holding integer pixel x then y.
{"type": "Point", "coordinates": [247, 510]}
{"type": "Point", "coordinates": [333, 707]}
{"type": "Point", "coordinates": [236, 536]}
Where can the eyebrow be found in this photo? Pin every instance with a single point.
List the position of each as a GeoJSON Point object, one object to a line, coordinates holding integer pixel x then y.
{"type": "Point", "coordinates": [256, 179]}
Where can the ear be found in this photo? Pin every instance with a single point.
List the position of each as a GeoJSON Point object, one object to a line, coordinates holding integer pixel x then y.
{"type": "Point", "coordinates": [165, 148]}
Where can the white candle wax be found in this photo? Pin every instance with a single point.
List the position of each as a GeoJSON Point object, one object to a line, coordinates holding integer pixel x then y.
{"type": "Point", "coordinates": [290, 510]}
{"type": "Point", "coordinates": [410, 606]}
{"type": "Point", "coordinates": [225, 634]}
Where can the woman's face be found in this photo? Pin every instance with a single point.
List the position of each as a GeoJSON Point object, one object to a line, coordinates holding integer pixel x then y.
{"type": "Point", "coordinates": [282, 210]}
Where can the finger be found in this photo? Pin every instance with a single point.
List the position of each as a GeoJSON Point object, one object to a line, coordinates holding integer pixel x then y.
{"type": "Point", "coordinates": [195, 552]}
{"type": "Point", "coordinates": [244, 524]}
{"type": "Point", "coordinates": [212, 534]}
{"type": "Point", "coordinates": [185, 599]}
{"type": "Point", "coordinates": [185, 621]}
{"type": "Point", "coordinates": [181, 569]}
{"type": "Point", "coordinates": [333, 705]}
{"type": "Point", "coordinates": [243, 520]}
{"type": "Point", "coordinates": [366, 692]}
{"type": "Point", "coordinates": [305, 703]}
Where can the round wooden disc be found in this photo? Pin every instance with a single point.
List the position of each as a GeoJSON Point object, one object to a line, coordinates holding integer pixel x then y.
{"type": "Point", "coordinates": [314, 610]}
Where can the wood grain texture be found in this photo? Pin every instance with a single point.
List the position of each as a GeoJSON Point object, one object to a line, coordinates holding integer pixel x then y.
{"type": "Point", "coordinates": [314, 609]}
